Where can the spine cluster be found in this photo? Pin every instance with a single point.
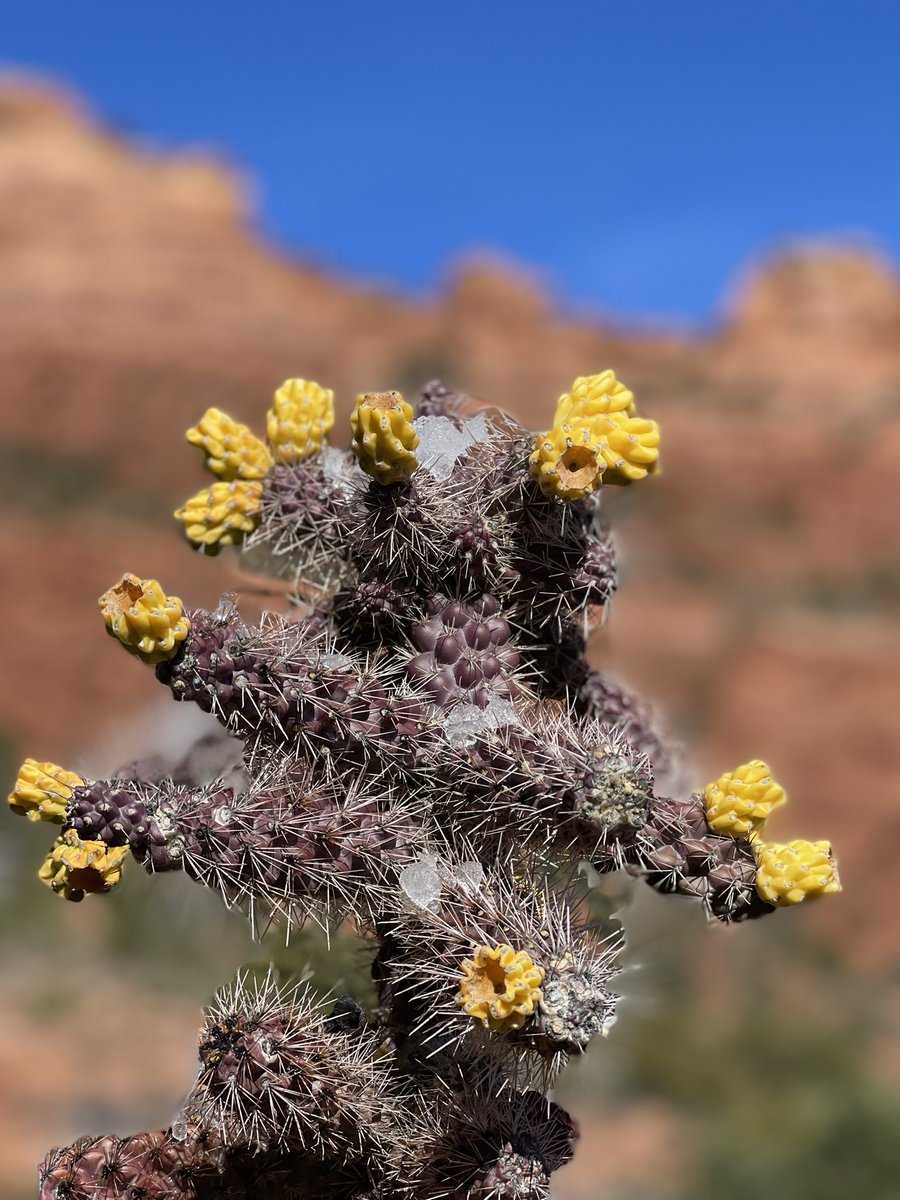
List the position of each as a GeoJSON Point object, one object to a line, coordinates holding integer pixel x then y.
{"type": "Point", "coordinates": [425, 752]}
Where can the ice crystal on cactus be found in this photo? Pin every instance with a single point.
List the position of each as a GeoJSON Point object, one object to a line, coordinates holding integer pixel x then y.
{"type": "Point", "coordinates": [425, 753]}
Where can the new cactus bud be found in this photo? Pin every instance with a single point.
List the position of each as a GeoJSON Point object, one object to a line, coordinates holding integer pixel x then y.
{"type": "Point", "coordinates": [739, 803]}
{"type": "Point", "coordinates": [42, 791]}
{"type": "Point", "coordinates": [221, 515]}
{"type": "Point", "coordinates": [74, 868]}
{"type": "Point", "coordinates": [499, 987]}
{"type": "Point", "coordinates": [230, 449]}
{"type": "Point", "coordinates": [384, 440]}
{"type": "Point", "coordinates": [795, 871]}
{"type": "Point", "coordinates": [300, 419]}
{"type": "Point", "coordinates": [144, 619]}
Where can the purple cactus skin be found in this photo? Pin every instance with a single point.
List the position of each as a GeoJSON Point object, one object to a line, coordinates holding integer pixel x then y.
{"type": "Point", "coordinates": [466, 653]}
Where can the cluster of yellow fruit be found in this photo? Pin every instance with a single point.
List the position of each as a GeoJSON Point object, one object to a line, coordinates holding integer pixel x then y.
{"type": "Point", "coordinates": [597, 437]}
{"type": "Point", "coordinates": [151, 625]}
{"type": "Point", "coordinates": [73, 868]}
{"type": "Point", "coordinates": [738, 804]}
{"type": "Point", "coordinates": [501, 987]}
{"type": "Point", "coordinates": [297, 426]}
{"type": "Point", "coordinates": [301, 415]}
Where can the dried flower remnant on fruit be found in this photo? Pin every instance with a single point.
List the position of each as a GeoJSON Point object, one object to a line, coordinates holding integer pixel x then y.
{"type": "Point", "coordinates": [148, 623]}
{"type": "Point", "coordinates": [42, 791]}
{"type": "Point", "coordinates": [384, 440]}
{"type": "Point", "coordinates": [567, 461]}
{"type": "Point", "coordinates": [230, 450]}
{"type": "Point", "coordinates": [739, 803]}
{"type": "Point", "coordinates": [300, 419]}
{"type": "Point", "coordinates": [221, 515]}
{"type": "Point", "coordinates": [74, 869]}
{"type": "Point", "coordinates": [499, 987]}
{"type": "Point", "coordinates": [788, 873]}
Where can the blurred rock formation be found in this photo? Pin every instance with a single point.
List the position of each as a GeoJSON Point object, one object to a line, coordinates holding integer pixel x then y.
{"type": "Point", "coordinates": [761, 570]}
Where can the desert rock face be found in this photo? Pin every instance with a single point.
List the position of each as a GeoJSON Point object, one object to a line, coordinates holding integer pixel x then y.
{"type": "Point", "coordinates": [832, 300]}
{"type": "Point", "coordinates": [760, 568]}
{"type": "Point", "coordinates": [760, 577]}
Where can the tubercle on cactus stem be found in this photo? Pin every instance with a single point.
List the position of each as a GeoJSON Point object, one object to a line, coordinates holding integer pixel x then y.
{"type": "Point", "coordinates": [426, 754]}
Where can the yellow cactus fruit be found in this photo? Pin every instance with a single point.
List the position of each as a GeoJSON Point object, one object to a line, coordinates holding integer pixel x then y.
{"type": "Point", "coordinates": [299, 420]}
{"type": "Point", "coordinates": [633, 447]}
{"type": "Point", "coordinates": [74, 868]}
{"type": "Point", "coordinates": [383, 436]}
{"type": "Point", "coordinates": [231, 449]}
{"type": "Point", "coordinates": [627, 443]}
{"type": "Point", "coordinates": [592, 396]}
{"type": "Point", "coordinates": [499, 987]}
{"type": "Point", "coordinates": [568, 461]}
{"type": "Point", "coordinates": [42, 791]}
{"type": "Point", "coordinates": [222, 514]}
{"type": "Point", "coordinates": [799, 870]}
{"type": "Point", "coordinates": [740, 802]}
{"type": "Point", "coordinates": [145, 620]}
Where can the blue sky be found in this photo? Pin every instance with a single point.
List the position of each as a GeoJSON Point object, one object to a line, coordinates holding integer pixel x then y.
{"type": "Point", "coordinates": [635, 153]}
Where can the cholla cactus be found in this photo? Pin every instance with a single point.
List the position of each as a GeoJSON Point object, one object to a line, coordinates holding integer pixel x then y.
{"type": "Point", "coordinates": [426, 754]}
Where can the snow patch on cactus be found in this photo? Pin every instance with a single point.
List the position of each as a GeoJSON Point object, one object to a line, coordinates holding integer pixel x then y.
{"type": "Point", "coordinates": [442, 443]}
{"type": "Point", "coordinates": [421, 882]}
{"type": "Point", "coordinates": [466, 722]}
